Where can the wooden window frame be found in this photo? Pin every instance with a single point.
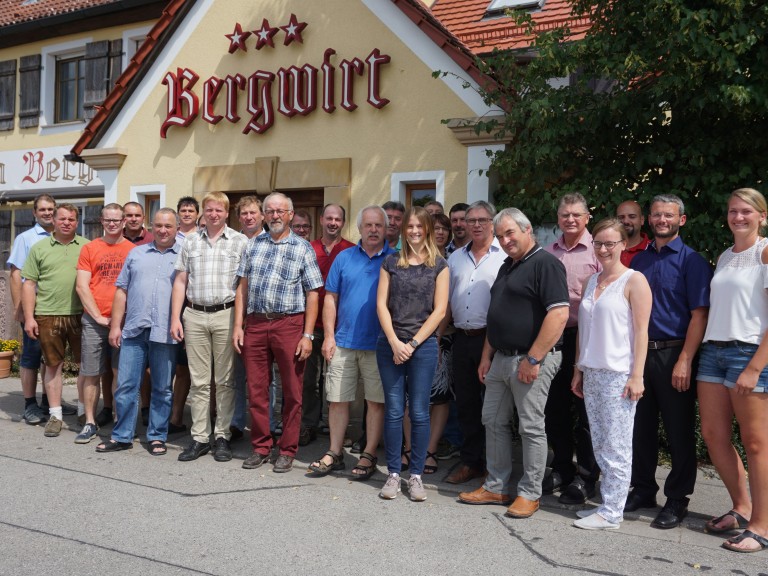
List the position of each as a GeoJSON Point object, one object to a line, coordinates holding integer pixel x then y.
{"type": "Point", "coordinates": [79, 80]}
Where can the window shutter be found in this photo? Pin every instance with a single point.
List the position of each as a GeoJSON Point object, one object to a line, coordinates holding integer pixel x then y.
{"type": "Point", "coordinates": [7, 94]}
{"type": "Point", "coordinates": [96, 76]}
{"type": "Point", "coordinates": [29, 72]}
{"type": "Point", "coordinates": [115, 61]}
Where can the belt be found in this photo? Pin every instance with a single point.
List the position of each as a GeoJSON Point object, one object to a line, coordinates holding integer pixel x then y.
{"type": "Point", "coordinates": [214, 308]}
{"type": "Point", "coordinates": [472, 331]}
{"type": "Point", "coordinates": [728, 343]}
{"type": "Point", "coordinates": [524, 352]}
{"type": "Point", "coordinates": [271, 315]}
{"type": "Point", "coordinates": [662, 344]}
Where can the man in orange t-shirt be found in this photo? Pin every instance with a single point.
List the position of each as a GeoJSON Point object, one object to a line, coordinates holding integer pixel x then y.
{"type": "Point", "coordinates": [97, 269]}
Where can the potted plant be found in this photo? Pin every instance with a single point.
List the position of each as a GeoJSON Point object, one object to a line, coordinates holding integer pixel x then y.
{"type": "Point", "coordinates": [7, 349]}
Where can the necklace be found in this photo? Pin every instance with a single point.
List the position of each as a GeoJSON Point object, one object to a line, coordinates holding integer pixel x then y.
{"type": "Point", "coordinates": [606, 281]}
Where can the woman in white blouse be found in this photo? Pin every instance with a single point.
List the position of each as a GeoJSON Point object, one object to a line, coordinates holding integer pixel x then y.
{"type": "Point", "coordinates": [733, 378]}
{"type": "Point", "coordinates": [613, 342]}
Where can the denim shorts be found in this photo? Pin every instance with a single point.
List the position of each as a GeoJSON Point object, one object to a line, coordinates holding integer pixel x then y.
{"type": "Point", "coordinates": [31, 353]}
{"type": "Point", "coordinates": [724, 365]}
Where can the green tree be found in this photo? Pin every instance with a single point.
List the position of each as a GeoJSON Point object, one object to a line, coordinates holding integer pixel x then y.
{"type": "Point", "coordinates": [665, 96]}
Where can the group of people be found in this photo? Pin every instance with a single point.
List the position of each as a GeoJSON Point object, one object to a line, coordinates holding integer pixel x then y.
{"type": "Point", "coordinates": [583, 343]}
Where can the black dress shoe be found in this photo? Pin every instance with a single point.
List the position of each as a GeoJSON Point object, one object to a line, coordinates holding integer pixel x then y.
{"type": "Point", "coordinates": [235, 433]}
{"type": "Point", "coordinates": [221, 450]}
{"type": "Point", "coordinates": [577, 492]}
{"type": "Point", "coordinates": [671, 516]}
{"type": "Point", "coordinates": [552, 481]}
{"type": "Point", "coordinates": [359, 445]}
{"type": "Point", "coordinates": [636, 501]}
{"type": "Point", "coordinates": [194, 451]}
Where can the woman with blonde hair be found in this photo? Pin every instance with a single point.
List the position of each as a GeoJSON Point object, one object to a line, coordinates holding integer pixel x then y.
{"type": "Point", "coordinates": [733, 378]}
{"type": "Point", "coordinates": [411, 301]}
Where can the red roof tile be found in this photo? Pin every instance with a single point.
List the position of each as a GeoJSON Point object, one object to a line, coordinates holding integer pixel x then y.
{"type": "Point", "coordinates": [468, 21]}
{"type": "Point", "coordinates": [18, 11]}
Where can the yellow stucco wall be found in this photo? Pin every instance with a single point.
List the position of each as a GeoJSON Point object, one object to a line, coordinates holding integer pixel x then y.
{"type": "Point", "coordinates": [404, 136]}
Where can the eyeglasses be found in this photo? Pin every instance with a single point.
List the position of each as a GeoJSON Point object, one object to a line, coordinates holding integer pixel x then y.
{"type": "Point", "coordinates": [476, 221]}
{"type": "Point", "coordinates": [280, 213]}
{"type": "Point", "coordinates": [574, 215]}
{"type": "Point", "coordinates": [608, 245]}
{"type": "Point", "coordinates": [112, 220]}
{"type": "Point", "coordinates": [302, 226]}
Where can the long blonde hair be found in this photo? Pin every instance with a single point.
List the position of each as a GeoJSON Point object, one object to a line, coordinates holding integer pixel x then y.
{"type": "Point", "coordinates": [406, 250]}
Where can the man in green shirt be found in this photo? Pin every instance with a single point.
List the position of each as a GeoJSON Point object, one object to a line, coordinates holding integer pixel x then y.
{"type": "Point", "coordinates": [51, 306]}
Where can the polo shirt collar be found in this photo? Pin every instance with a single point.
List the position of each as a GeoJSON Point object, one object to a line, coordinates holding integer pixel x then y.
{"type": "Point", "coordinates": [525, 258]}
{"type": "Point", "coordinates": [383, 252]}
{"type": "Point", "coordinates": [75, 240]}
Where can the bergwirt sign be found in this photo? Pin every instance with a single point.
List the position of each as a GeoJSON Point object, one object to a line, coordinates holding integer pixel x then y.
{"type": "Point", "coordinates": [297, 86]}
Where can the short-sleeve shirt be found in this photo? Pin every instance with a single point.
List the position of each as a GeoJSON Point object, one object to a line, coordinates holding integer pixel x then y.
{"type": "Point", "coordinates": [148, 276]}
{"type": "Point", "coordinates": [104, 261]}
{"type": "Point", "coordinates": [279, 273]}
{"type": "Point", "coordinates": [211, 267]}
{"type": "Point", "coordinates": [679, 278]}
{"type": "Point", "coordinates": [522, 295]}
{"type": "Point", "coordinates": [23, 243]}
{"type": "Point", "coordinates": [580, 263]}
{"type": "Point", "coordinates": [411, 294]}
{"type": "Point", "coordinates": [471, 281]}
{"type": "Point", "coordinates": [629, 254]}
{"type": "Point", "coordinates": [53, 266]}
{"type": "Point", "coordinates": [354, 277]}
{"type": "Point", "coordinates": [144, 237]}
{"type": "Point", "coordinates": [325, 261]}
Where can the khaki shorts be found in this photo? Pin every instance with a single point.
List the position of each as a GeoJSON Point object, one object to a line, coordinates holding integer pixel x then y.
{"type": "Point", "coordinates": [54, 332]}
{"type": "Point", "coordinates": [95, 348]}
{"type": "Point", "coordinates": [345, 369]}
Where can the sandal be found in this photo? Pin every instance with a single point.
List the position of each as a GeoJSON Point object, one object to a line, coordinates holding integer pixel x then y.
{"type": "Point", "coordinates": [157, 448]}
{"type": "Point", "coordinates": [322, 469]}
{"type": "Point", "coordinates": [713, 528]}
{"type": "Point", "coordinates": [407, 464]}
{"type": "Point", "coordinates": [428, 468]}
{"type": "Point", "coordinates": [762, 543]}
{"type": "Point", "coordinates": [113, 446]}
{"type": "Point", "coordinates": [366, 471]}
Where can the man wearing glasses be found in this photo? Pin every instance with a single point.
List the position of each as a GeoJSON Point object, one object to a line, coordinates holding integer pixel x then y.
{"type": "Point", "coordinates": [302, 224]}
{"type": "Point", "coordinates": [473, 270]}
{"type": "Point", "coordinates": [98, 267]}
{"type": "Point", "coordinates": [574, 249]}
{"type": "Point", "coordinates": [275, 314]}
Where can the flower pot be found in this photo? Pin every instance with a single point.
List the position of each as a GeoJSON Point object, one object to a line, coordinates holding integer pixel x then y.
{"type": "Point", "coordinates": [6, 358]}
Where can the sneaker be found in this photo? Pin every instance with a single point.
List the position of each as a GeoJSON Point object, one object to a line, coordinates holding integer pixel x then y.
{"type": "Point", "coordinates": [104, 417]}
{"type": "Point", "coordinates": [595, 522]}
{"type": "Point", "coordinates": [53, 427]}
{"type": "Point", "coordinates": [416, 489]}
{"type": "Point", "coordinates": [587, 512]}
{"type": "Point", "coordinates": [87, 434]}
{"type": "Point", "coordinates": [391, 487]}
{"type": "Point", "coordinates": [446, 450]}
{"type": "Point", "coordinates": [34, 415]}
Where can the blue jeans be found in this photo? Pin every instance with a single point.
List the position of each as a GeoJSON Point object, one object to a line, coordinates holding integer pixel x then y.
{"type": "Point", "coordinates": [413, 378]}
{"type": "Point", "coordinates": [135, 354]}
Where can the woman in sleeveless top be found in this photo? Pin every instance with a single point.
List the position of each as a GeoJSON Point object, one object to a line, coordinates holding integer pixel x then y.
{"type": "Point", "coordinates": [613, 341]}
{"type": "Point", "coordinates": [733, 378]}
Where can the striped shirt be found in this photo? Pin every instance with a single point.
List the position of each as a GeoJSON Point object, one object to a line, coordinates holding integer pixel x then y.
{"type": "Point", "coordinates": [279, 273]}
{"type": "Point", "coordinates": [211, 267]}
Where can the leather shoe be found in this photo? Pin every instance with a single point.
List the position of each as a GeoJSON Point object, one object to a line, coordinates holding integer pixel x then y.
{"type": "Point", "coordinates": [552, 482]}
{"type": "Point", "coordinates": [522, 508]}
{"type": "Point", "coordinates": [221, 450]}
{"type": "Point", "coordinates": [483, 496]}
{"type": "Point", "coordinates": [255, 460]}
{"type": "Point", "coordinates": [235, 433]}
{"type": "Point", "coordinates": [283, 464]}
{"type": "Point", "coordinates": [307, 435]}
{"type": "Point", "coordinates": [671, 514]}
{"type": "Point", "coordinates": [464, 473]}
{"type": "Point", "coordinates": [636, 501]}
{"type": "Point", "coordinates": [577, 492]}
{"type": "Point", "coordinates": [194, 451]}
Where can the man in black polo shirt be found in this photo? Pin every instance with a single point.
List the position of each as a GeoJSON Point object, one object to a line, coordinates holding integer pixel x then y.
{"type": "Point", "coordinates": [526, 318]}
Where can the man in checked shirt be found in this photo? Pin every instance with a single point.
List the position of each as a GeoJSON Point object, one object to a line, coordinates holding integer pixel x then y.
{"type": "Point", "coordinates": [206, 279]}
{"type": "Point", "coordinates": [275, 313]}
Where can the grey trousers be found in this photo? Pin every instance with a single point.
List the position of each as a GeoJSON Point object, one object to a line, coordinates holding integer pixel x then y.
{"type": "Point", "coordinates": [503, 391]}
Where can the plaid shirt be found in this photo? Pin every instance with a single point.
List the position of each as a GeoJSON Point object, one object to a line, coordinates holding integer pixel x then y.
{"type": "Point", "coordinates": [279, 273]}
{"type": "Point", "coordinates": [211, 267]}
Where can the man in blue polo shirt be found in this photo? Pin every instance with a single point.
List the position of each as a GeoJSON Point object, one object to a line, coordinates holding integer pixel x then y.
{"type": "Point", "coordinates": [351, 328]}
{"type": "Point", "coordinates": [679, 278]}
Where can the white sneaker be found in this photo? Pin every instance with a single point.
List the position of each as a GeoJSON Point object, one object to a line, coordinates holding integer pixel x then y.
{"type": "Point", "coordinates": [595, 522]}
{"type": "Point", "coordinates": [391, 487]}
{"type": "Point", "coordinates": [589, 511]}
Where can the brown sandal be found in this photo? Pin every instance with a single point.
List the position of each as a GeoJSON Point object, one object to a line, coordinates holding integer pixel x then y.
{"type": "Point", "coordinates": [366, 470]}
{"type": "Point", "coordinates": [322, 469]}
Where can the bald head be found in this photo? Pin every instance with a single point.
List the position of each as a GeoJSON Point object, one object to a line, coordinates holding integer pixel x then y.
{"type": "Point", "coordinates": [631, 216]}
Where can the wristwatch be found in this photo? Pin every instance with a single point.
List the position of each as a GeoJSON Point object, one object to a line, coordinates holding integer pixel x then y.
{"type": "Point", "coordinates": [532, 360]}
{"type": "Point", "coordinates": [413, 342]}
{"type": "Point", "coordinates": [310, 336]}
